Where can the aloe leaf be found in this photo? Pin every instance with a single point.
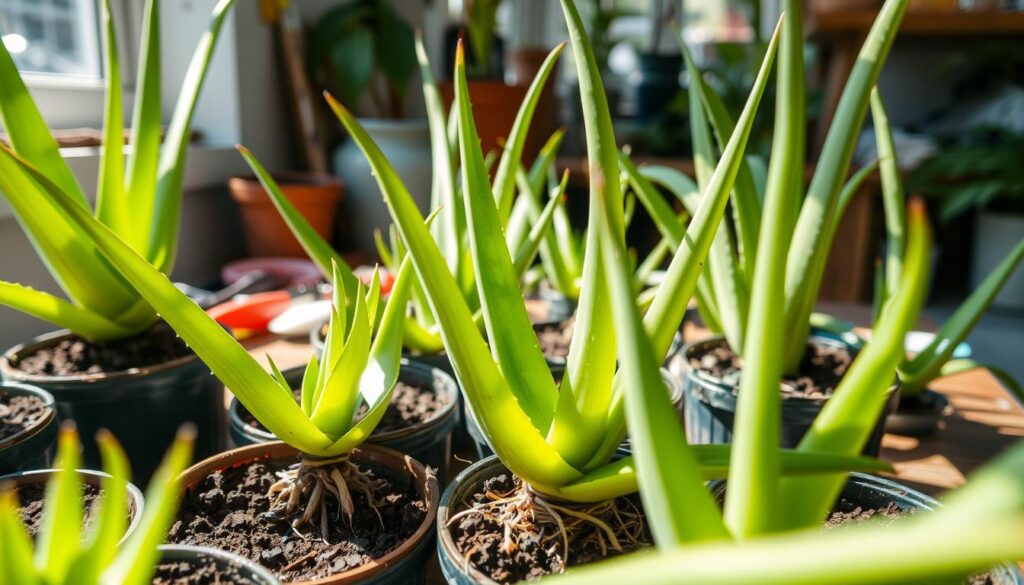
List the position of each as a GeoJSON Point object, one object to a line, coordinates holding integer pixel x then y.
{"type": "Point", "coordinates": [661, 213]}
{"type": "Point", "coordinates": [71, 259]}
{"type": "Point", "coordinates": [110, 192]}
{"type": "Point", "coordinates": [61, 313]}
{"type": "Point", "coordinates": [163, 242]}
{"type": "Point", "coordinates": [337, 401]}
{"type": "Point", "coordinates": [28, 133]}
{"type": "Point", "coordinates": [452, 221]}
{"type": "Point", "coordinates": [527, 252]}
{"type": "Point", "coordinates": [420, 339]}
{"type": "Point", "coordinates": [111, 522]}
{"type": "Point", "coordinates": [927, 365]}
{"type": "Point", "coordinates": [511, 158]}
{"type": "Point", "coordinates": [136, 562]}
{"type": "Point", "coordinates": [513, 341]}
{"type": "Point", "coordinates": [16, 553]}
{"type": "Point", "coordinates": [146, 131]}
{"type": "Point", "coordinates": [309, 380]}
{"type": "Point", "coordinates": [847, 419]}
{"type": "Point", "coordinates": [1005, 378]}
{"type": "Point", "coordinates": [807, 255]}
{"type": "Point", "coordinates": [319, 251]}
{"type": "Point", "coordinates": [892, 195]}
{"type": "Point", "coordinates": [59, 545]}
{"type": "Point", "coordinates": [228, 360]}
{"type": "Point", "coordinates": [502, 419]}
{"type": "Point", "coordinates": [586, 389]}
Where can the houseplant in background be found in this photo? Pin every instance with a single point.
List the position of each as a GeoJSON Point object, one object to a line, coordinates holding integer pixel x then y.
{"type": "Point", "coordinates": [559, 441]}
{"type": "Point", "coordinates": [372, 504]}
{"type": "Point", "coordinates": [363, 51]}
{"type": "Point", "coordinates": [813, 364]}
{"type": "Point", "coordinates": [920, 408]}
{"type": "Point", "coordinates": [117, 359]}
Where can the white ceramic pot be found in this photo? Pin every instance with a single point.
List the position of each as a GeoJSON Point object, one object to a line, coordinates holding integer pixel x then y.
{"type": "Point", "coordinates": [995, 235]}
{"type": "Point", "coordinates": [406, 144]}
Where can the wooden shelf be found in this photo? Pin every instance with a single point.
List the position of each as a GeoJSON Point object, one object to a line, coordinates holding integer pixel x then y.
{"type": "Point", "coordinates": [920, 24]}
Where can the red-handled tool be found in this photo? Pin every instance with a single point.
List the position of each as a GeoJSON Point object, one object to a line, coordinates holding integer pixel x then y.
{"type": "Point", "coordinates": [254, 312]}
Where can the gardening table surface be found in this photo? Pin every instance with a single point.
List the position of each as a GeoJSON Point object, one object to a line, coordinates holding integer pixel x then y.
{"type": "Point", "coordinates": [985, 421]}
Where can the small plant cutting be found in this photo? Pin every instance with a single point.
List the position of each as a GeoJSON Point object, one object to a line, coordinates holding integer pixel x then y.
{"type": "Point", "coordinates": [558, 439]}
{"type": "Point", "coordinates": [764, 531]}
{"type": "Point", "coordinates": [65, 551]}
{"type": "Point", "coordinates": [812, 365]}
{"type": "Point", "coordinates": [116, 358]}
{"type": "Point", "coordinates": [317, 485]}
{"type": "Point", "coordinates": [920, 408]}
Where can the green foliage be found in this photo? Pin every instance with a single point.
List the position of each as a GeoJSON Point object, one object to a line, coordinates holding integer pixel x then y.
{"type": "Point", "coordinates": [68, 554]}
{"type": "Point", "coordinates": [355, 44]}
{"type": "Point", "coordinates": [139, 199]}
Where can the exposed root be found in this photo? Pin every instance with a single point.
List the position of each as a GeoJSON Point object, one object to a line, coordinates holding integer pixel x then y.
{"type": "Point", "coordinates": [521, 511]}
{"type": "Point", "coordinates": [301, 492]}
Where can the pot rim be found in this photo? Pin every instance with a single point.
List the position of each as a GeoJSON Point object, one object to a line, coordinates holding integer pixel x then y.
{"type": "Point", "coordinates": [89, 476]}
{"type": "Point", "coordinates": [223, 556]}
{"type": "Point", "coordinates": [439, 417]}
{"type": "Point", "coordinates": [46, 340]}
{"type": "Point", "coordinates": [714, 384]}
{"type": "Point", "coordinates": [444, 534]}
{"type": "Point", "coordinates": [388, 458]}
{"type": "Point", "coordinates": [26, 434]}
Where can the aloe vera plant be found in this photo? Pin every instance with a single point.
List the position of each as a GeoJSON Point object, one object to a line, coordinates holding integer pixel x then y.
{"type": "Point", "coordinates": [559, 439]}
{"type": "Point", "coordinates": [138, 196]}
{"type": "Point", "coordinates": [936, 359]}
{"type": "Point", "coordinates": [526, 231]}
{"type": "Point", "coordinates": [724, 293]}
{"type": "Point", "coordinates": [762, 533]}
{"type": "Point", "coordinates": [360, 364]}
{"type": "Point", "coordinates": [65, 553]}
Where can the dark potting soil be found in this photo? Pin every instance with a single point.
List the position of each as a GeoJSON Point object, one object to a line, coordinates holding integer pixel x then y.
{"type": "Point", "coordinates": [227, 511]}
{"type": "Point", "coordinates": [203, 571]}
{"type": "Point", "coordinates": [31, 503]}
{"type": "Point", "coordinates": [538, 549]}
{"type": "Point", "coordinates": [555, 338]}
{"type": "Point", "coordinates": [76, 356]}
{"type": "Point", "coordinates": [847, 513]}
{"type": "Point", "coordinates": [19, 413]}
{"type": "Point", "coordinates": [820, 370]}
{"type": "Point", "coordinates": [410, 405]}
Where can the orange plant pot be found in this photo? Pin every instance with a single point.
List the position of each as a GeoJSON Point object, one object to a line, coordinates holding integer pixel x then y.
{"type": "Point", "coordinates": [266, 233]}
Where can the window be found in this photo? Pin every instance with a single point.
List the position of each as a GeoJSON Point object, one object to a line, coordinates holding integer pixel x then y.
{"type": "Point", "coordinates": [53, 37]}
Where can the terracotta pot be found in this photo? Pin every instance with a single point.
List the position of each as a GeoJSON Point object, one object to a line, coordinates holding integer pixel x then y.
{"type": "Point", "coordinates": [932, 6]}
{"type": "Point", "coordinates": [266, 233]}
{"type": "Point", "coordinates": [828, 6]}
{"type": "Point", "coordinates": [495, 105]}
{"type": "Point", "coordinates": [405, 564]}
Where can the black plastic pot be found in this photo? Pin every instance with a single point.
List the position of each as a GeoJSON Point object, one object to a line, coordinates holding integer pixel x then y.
{"type": "Point", "coordinates": [428, 442]}
{"type": "Point", "coordinates": [919, 415]}
{"type": "Point", "coordinates": [30, 448]}
{"type": "Point", "coordinates": [484, 450]}
{"type": "Point", "coordinates": [95, 478]}
{"type": "Point", "coordinates": [872, 492]}
{"type": "Point", "coordinates": [709, 405]}
{"type": "Point", "coordinates": [142, 407]}
{"type": "Point", "coordinates": [231, 568]}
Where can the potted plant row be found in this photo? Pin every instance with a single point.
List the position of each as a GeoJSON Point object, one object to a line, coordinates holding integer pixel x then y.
{"type": "Point", "coordinates": [114, 357]}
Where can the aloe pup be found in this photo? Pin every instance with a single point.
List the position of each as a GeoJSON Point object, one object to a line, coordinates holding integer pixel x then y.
{"type": "Point", "coordinates": [65, 553]}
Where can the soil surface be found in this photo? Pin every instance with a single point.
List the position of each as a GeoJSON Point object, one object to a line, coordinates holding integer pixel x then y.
{"type": "Point", "coordinates": [847, 513]}
{"type": "Point", "coordinates": [537, 549]}
{"type": "Point", "coordinates": [227, 511]}
{"type": "Point", "coordinates": [555, 338]}
{"type": "Point", "coordinates": [76, 356]}
{"type": "Point", "coordinates": [20, 412]}
{"type": "Point", "coordinates": [203, 571]}
{"type": "Point", "coordinates": [32, 497]}
{"type": "Point", "coordinates": [820, 371]}
{"type": "Point", "coordinates": [410, 405]}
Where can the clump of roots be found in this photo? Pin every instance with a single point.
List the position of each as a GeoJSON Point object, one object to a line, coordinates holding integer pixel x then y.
{"type": "Point", "coordinates": [610, 527]}
{"type": "Point", "coordinates": [300, 494]}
